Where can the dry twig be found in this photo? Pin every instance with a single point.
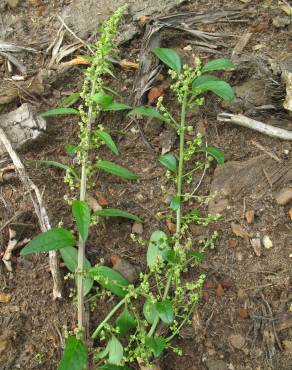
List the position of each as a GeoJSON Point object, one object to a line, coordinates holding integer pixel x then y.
{"type": "Point", "coordinates": [39, 210]}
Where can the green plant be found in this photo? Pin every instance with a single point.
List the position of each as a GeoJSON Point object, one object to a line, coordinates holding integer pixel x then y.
{"type": "Point", "coordinates": [165, 295]}
{"type": "Point", "coordinates": [149, 314]}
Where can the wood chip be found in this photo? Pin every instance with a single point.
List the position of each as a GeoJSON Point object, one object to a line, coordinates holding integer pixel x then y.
{"type": "Point", "coordinates": [239, 231]}
{"type": "Point", "coordinates": [242, 42]}
{"type": "Point", "coordinates": [249, 216]}
{"type": "Point", "coordinates": [5, 298]}
{"type": "Point", "coordinates": [243, 313]}
{"type": "Point", "coordinates": [220, 290]}
{"type": "Point", "coordinates": [126, 64]}
{"type": "Point", "coordinates": [237, 341]}
{"type": "Point", "coordinates": [257, 246]}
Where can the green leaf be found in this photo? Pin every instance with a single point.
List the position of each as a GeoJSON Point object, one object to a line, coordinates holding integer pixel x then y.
{"type": "Point", "coordinates": [172, 257]}
{"type": "Point", "coordinates": [112, 212]}
{"type": "Point", "coordinates": [115, 106]}
{"type": "Point", "coordinates": [71, 149]}
{"type": "Point", "coordinates": [156, 344]}
{"type": "Point", "coordinates": [204, 78]}
{"type": "Point", "coordinates": [165, 311]}
{"type": "Point", "coordinates": [125, 322]}
{"type": "Point", "coordinates": [199, 256]}
{"type": "Point", "coordinates": [103, 100]}
{"type": "Point", "coordinates": [175, 203]}
{"type": "Point", "coordinates": [148, 112]}
{"type": "Point", "coordinates": [157, 248]}
{"type": "Point", "coordinates": [149, 311]}
{"type": "Point", "coordinates": [218, 65]}
{"type": "Point", "coordinates": [110, 279]}
{"type": "Point", "coordinates": [52, 239]}
{"type": "Point", "coordinates": [103, 135]}
{"type": "Point", "coordinates": [60, 111]}
{"type": "Point", "coordinates": [69, 99]}
{"type": "Point", "coordinates": [168, 161]}
{"type": "Point", "coordinates": [116, 170]}
{"type": "Point", "coordinates": [104, 353]}
{"type": "Point", "coordinates": [214, 152]}
{"type": "Point", "coordinates": [220, 88]}
{"type": "Point", "coordinates": [59, 165]}
{"type": "Point", "coordinates": [75, 355]}
{"type": "Point", "coordinates": [81, 214]}
{"type": "Point", "coordinates": [70, 258]}
{"type": "Point", "coordinates": [113, 367]}
{"type": "Point", "coordinates": [116, 351]}
{"type": "Point", "coordinates": [169, 57]}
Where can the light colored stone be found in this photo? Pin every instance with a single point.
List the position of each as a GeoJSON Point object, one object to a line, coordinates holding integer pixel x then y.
{"type": "Point", "coordinates": [267, 242]}
{"type": "Point", "coordinates": [137, 228]}
{"type": "Point", "coordinates": [237, 341]}
{"type": "Point", "coordinates": [284, 196]}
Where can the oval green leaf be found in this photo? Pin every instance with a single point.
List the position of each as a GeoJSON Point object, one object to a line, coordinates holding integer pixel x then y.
{"type": "Point", "coordinates": [214, 152]}
{"type": "Point", "coordinates": [218, 65]}
{"type": "Point", "coordinates": [75, 355]}
{"type": "Point", "coordinates": [103, 135]}
{"type": "Point", "coordinates": [59, 165]}
{"type": "Point", "coordinates": [168, 161]}
{"type": "Point", "coordinates": [103, 100]}
{"type": "Point", "coordinates": [110, 279]}
{"type": "Point", "coordinates": [157, 248]}
{"type": "Point", "coordinates": [70, 99]}
{"type": "Point", "coordinates": [70, 258]}
{"type": "Point", "coordinates": [52, 239]}
{"type": "Point", "coordinates": [156, 344]}
{"type": "Point", "coordinates": [116, 170]}
{"type": "Point", "coordinates": [81, 214]}
{"type": "Point", "coordinates": [60, 111]}
{"type": "Point", "coordinates": [147, 112]}
{"type": "Point", "coordinates": [71, 149]}
{"type": "Point", "coordinates": [220, 88]}
{"type": "Point", "coordinates": [125, 322]}
{"type": "Point", "coordinates": [116, 351]}
{"type": "Point", "coordinates": [165, 311]}
{"type": "Point", "coordinates": [117, 106]}
{"type": "Point", "coordinates": [149, 311]}
{"type": "Point", "coordinates": [199, 256]}
{"type": "Point", "coordinates": [204, 78]}
{"type": "Point", "coordinates": [175, 203]}
{"type": "Point", "coordinates": [112, 212]}
{"type": "Point", "coordinates": [169, 57]}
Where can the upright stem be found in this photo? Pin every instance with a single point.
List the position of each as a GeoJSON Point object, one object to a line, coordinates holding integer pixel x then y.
{"type": "Point", "coordinates": [181, 162]}
{"type": "Point", "coordinates": [81, 242]}
{"type": "Point", "coordinates": [179, 193]}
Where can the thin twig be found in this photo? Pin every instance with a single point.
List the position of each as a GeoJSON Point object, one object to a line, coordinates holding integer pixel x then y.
{"type": "Point", "coordinates": [74, 34]}
{"type": "Point", "coordinates": [39, 210]}
{"type": "Point", "coordinates": [272, 155]}
{"type": "Point", "coordinates": [240, 120]}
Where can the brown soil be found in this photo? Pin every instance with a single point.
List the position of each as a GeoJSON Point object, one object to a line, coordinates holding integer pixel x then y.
{"type": "Point", "coordinates": [245, 295]}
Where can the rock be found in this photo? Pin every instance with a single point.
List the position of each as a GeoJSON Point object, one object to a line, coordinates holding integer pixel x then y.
{"type": "Point", "coordinates": [287, 344]}
{"type": "Point", "coordinates": [137, 228]}
{"type": "Point", "coordinates": [267, 242]}
{"type": "Point", "coordinates": [281, 21]}
{"type": "Point", "coordinates": [125, 268]}
{"type": "Point", "coordinates": [237, 341]}
{"type": "Point", "coordinates": [21, 126]}
{"type": "Point", "coordinates": [167, 139]}
{"type": "Point", "coordinates": [284, 196]}
{"type": "Point", "coordinates": [216, 364]}
{"type": "Point", "coordinates": [12, 3]}
{"type": "Point", "coordinates": [249, 216]}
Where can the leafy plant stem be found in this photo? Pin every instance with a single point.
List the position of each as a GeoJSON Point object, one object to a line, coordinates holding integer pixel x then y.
{"type": "Point", "coordinates": [81, 242]}
{"type": "Point", "coordinates": [181, 161]}
{"type": "Point", "coordinates": [108, 317]}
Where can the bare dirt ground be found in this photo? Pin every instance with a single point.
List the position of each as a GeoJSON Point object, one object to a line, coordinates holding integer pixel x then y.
{"type": "Point", "coordinates": [244, 319]}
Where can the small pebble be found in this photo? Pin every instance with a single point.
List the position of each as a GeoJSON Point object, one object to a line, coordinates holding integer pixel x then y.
{"type": "Point", "coordinates": [237, 341]}
{"type": "Point", "coordinates": [284, 196]}
{"type": "Point", "coordinates": [188, 48]}
{"type": "Point", "coordinates": [137, 228]}
{"type": "Point", "coordinates": [267, 242]}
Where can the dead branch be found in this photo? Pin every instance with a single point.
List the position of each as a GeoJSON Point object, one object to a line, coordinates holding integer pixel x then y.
{"type": "Point", "coordinates": [40, 211]}
{"type": "Point", "coordinates": [240, 120]}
